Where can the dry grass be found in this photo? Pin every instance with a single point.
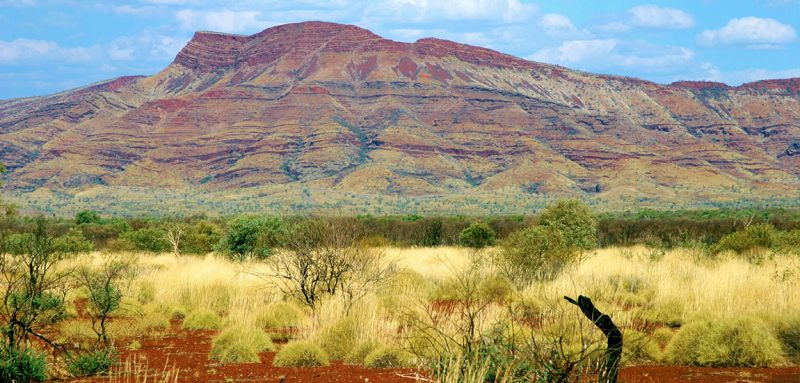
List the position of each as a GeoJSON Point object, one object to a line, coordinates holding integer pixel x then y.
{"type": "Point", "coordinates": [631, 287]}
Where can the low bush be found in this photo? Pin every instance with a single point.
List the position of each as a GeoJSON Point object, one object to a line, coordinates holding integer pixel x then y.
{"type": "Point", "coordinates": [360, 352]}
{"type": "Point", "coordinates": [202, 320]}
{"type": "Point", "coordinates": [788, 333]}
{"type": "Point", "coordinates": [340, 339]}
{"type": "Point", "coordinates": [152, 322]}
{"type": "Point", "coordinates": [574, 220]}
{"type": "Point", "coordinates": [240, 345]}
{"type": "Point", "coordinates": [300, 354]}
{"type": "Point", "coordinates": [279, 315]}
{"type": "Point", "coordinates": [93, 363]}
{"type": "Point", "coordinates": [388, 357]}
{"type": "Point", "coordinates": [495, 288]}
{"type": "Point", "coordinates": [22, 366]}
{"type": "Point", "coordinates": [739, 342]}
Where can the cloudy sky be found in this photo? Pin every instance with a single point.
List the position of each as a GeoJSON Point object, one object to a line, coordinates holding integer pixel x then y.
{"type": "Point", "coordinates": [51, 45]}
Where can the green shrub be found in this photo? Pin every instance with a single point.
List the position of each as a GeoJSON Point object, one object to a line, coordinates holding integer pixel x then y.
{"type": "Point", "coordinates": [22, 366]}
{"type": "Point", "coordinates": [388, 357]}
{"type": "Point", "coordinates": [477, 236]}
{"type": "Point", "coordinates": [340, 339]}
{"type": "Point", "coordinates": [201, 237]}
{"type": "Point", "coordinates": [300, 354]}
{"type": "Point", "coordinates": [151, 240]}
{"type": "Point", "coordinates": [86, 216]}
{"type": "Point", "coordinates": [93, 363]}
{"type": "Point", "coordinates": [574, 220]}
{"type": "Point", "coordinates": [788, 333]}
{"type": "Point", "coordinates": [761, 236]}
{"type": "Point", "coordinates": [534, 254]}
{"type": "Point", "coordinates": [240, 345]}
{"type": "Point", "coordinates": [251, 237]}
{"type": "Point", "coordinates": [360, 352]}
{"type": "Point", "coordinates": [740, 342]}
{"type": "Point", "coordinates": [202, 320]}
{"type": "Point", "coordinates": [279, 315]}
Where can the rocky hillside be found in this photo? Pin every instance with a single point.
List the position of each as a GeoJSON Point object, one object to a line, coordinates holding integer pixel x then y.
{"type": "Point", "coordinates": [322, 115]}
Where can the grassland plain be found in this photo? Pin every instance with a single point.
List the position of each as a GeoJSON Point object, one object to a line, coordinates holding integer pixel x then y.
{"type": "Point", "coordinates": [675, 308]}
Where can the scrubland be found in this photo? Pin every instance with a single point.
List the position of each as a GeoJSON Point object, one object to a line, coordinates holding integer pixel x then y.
{"type": "Point", "coordinates": [674, 307]}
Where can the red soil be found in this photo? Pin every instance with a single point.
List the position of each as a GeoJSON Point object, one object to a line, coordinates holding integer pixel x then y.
{"type": "Point", "coordinates": [188, 352]}
{"type": "Point", "coordinates": [664, 374]}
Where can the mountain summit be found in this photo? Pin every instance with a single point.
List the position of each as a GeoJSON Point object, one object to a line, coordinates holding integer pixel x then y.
{"type": "Point", "coordinates": [329, 116]}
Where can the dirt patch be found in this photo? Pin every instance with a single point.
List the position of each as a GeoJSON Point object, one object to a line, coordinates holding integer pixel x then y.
{"type": "Point", "coordinates": [187, 351]}
{"type": "Point", "coordinates": [664, 374]}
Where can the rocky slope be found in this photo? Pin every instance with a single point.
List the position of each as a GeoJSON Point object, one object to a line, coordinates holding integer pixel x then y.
{"type": "Point", "coordinates": [326, 115]}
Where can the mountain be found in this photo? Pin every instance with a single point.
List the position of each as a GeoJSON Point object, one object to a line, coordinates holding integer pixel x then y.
{"type": "Point", "coordinates": [332, 117]}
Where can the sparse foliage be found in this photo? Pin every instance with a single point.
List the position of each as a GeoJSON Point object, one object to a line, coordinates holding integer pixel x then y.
{"type": "Point", "coordinates": [327, 257]}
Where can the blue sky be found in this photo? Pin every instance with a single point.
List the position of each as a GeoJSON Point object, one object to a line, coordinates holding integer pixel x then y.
{"type": "Point", "coordinates": [49, 46]}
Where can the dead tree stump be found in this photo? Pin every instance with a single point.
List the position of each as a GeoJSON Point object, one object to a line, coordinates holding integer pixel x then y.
{"type": "Point", "coordinates": [610, 330]}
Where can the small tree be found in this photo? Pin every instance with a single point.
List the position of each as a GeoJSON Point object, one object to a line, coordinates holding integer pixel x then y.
{"type": "Point", "coordinates": [477, 236]}
{"type": "Point", "coordinates": [174, 234]}
{"type": "Point", "coordinates": [564, 233]}
{"type": "Point", "coordinates": [33, 291]}
{"type": "Point", "coordinates": [327, 257]}
{"type": "Point", "coordinates": [105, 292]}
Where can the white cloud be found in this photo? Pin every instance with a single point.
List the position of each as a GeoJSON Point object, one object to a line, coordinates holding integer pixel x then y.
{"type": "Point", "coordinates": [653, 16]}
{"type": "Point", "coordinates": [145, 46]}
{"type": "Point", "coordinates": [558, 25]}
{"type": "Point", "coordinates": [606, 54]}
{"type": "Point", "coordinates": [754, 32]}
{"type": "Point", "coordinates": [575, 51]}
{"type": "Point", "coordinates": [21, 49]}
{"type": "Point", "coordinates": [614, 27]}
{"type": "Point", "coordinates": [223, 20]}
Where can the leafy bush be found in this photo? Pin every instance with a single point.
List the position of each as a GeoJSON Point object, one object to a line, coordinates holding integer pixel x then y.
{"type": "Point", "coordinates": [73, 243]}
{"type": "Point", "coordinates": [151, 240]}
{"type": "Point", "coordinates": [388, 357]}
{"type": "Point", "coordinates": [240, 345]}
{"type": "Point", "coordinates": [300, 354]}
{"type": "Point", "coordinates": [574, 220]}
{"type": "Point", "coordinates": [251, 237]}
{"type": "Point", "coordinates": [201, 237]}
{"type": "Point", "coordinates": [279, 315]}
{"type": "Point", "coordinates": [535, 253]}
{"type": "Point", "coordinates": [754, 237]}
{"type": "Point", "coordinates": [739, 342]}
{"type": "Point", "coordinates": [86, 216]}
{"type": "Point", "coordinates": [22, 366]}
{"type": "Point", "coordinates": [202, 320]}
{"type": "Point", "coordinates": [477, 236]}
{"type": "Point", "coordinates": [93, 363]}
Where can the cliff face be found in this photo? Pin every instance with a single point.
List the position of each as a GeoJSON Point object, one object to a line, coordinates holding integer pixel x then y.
{"type": "Point", "coordinates": [326, 112]}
